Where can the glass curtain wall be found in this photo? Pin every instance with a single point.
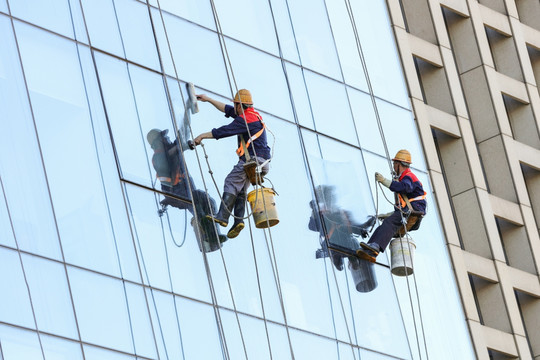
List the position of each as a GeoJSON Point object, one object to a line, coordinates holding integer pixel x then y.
{"type": "Point", "coordinates": [101, 259]}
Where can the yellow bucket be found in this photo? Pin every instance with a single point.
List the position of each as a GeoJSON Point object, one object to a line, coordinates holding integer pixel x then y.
{"type": "Point", "coordinates": [258, 200]}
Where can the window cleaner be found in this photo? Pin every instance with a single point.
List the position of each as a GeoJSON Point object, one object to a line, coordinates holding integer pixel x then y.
{"type": "Point", "coordinates": [410, 207]}
{"type": "Point", "coordinates": [246, 121]}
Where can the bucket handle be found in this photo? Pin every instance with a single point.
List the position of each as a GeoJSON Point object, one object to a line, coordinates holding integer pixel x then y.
{"type": "Point", "coordinates": [273, 189]}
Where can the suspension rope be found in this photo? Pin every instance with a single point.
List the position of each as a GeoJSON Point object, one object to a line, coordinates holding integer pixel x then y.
{"type": "Point", "coordinates": [407, 235]}
{"type": "Point", "coordinates": [305, 158]}
{"type": "Point", "coordinates": [379, 124]}
{"type": "Point", "coordinates": [273, 262]}
{"type": "Point", "coordinates": [217, 314]}
{"type": "Point", "coordinates": [171, 282]}
{"type": "Point", "coordinates": [260, 291]}
{"type": "Point", "coordinates": [224, 47]}
{"type": "Point", "coordinates": [368, 80]}
{"type": "Point", "coordinates": [144, 268]}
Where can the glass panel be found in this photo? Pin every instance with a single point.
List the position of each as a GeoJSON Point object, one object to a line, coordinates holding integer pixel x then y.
{"type": "Point", "coordinates": [54, 15]}
{"type": "Point", "coordinates": [370, 355]}
{"type": "Point", "coordinates": [331, 110]}
{"type": "Point", "coordinates": [15, 308]}
{"type": "Point", "coordinates": [342, 167]}
{"type": "Point", "coordinates": [349, 54]}
{"type": "Point", "coordinates": [255, 337]}
{"type": "Point", "coordinates": [200, 335]}
{"type": "Point", "coordinates": [109, 171]}
{"type": "Point", "coordinates": [263, 76]}
{"type": "Point", "coordinates": [197, 55]}
{"type": "Point", "coordinates": [199, 12]}
{"type": "Point", "coordinates": [78, 20]}
{"type": "Point", "coordinates": [6, 231]}
{"type": "Point", "coordinates": [19, 344]}
{"type": "Point", "coordinates": [137, 33]}
{"type": "Point", "coordinates": [341, 210]}
{"type": "Point", "coordinates": [279, 341]}
{"type": "Point", "coordinates": [348, 352]}
{"type": "Point", "coordinates": [386, 318]}
{"type": "Point", "coordinates": [24, 182]}
{"type": "Point", "coordinates": [3, 6]}
{"type": "Point", "coordinates": [60, 349]}
{"type": "Point", "coordinates": [51, 299]}
{"type": "Point", "coordinates": [95, 353]}
{"type": "Point", "coordinates": [307, 346]}
{"type": "Point", "coordinates": [378, 46]}
{"type": "Point", "coordinates": [168, 248]}
{"type": "Point", "coordinates": [256, 17]}
{"type": "Point", "coordinates": [131, 96]}
{"type": "Point", "coordinates": [101, 310]}
{"type": "Point", "coordinates": [60, 107]}
{"type": "Point", "coordinates": [102, 24]}
{"type": "Point", "coordinates": [287, 40]}
{"type": "Point", "coordinates": [400, 132]}
{"type": "Point", "coordinates": [141, 326]}
{"type": "Point", "coordinates": [297, 81]}
{"type": "Point", "coordinates": [176, 337]}
{"type": "Point", "coordinates": [235, 335]}
{"type": "Point", "coordinates": [365, 119]}
{"type": "Point", "coordinates": [384, 198]}
{"type": "Point", "coordinates": [314, 38]}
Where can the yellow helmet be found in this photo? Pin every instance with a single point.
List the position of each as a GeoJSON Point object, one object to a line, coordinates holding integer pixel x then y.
{"type": "Point", "coordinates": [155, 134]}
{"type": "Point", "coordinates": [404, 156]}
{"type": "Point", "coordinates": [243, 96]}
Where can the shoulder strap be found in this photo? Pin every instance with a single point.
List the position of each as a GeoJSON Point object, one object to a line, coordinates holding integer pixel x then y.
{"type": "Point", "coordinates": [243, 149]}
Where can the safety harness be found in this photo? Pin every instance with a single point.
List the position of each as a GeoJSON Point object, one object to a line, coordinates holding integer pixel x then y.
{"type": "Point", "coordinates": [413, 217]}
{"type": "Point", "coordinates": [250, 116]}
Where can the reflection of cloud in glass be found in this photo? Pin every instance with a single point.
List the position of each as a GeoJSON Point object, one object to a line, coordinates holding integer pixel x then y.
{"type": "Point", "coordinates": [294, 305]}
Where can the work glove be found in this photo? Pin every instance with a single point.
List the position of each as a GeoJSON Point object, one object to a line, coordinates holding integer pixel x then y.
{"type": "Point", "coordinates": [383, 180]}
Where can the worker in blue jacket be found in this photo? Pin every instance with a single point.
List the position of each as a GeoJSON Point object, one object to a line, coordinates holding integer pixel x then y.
{"type": "Point", "coordinates": [254, 142]}
{"type": "Point", "coordinates": [406, 184]}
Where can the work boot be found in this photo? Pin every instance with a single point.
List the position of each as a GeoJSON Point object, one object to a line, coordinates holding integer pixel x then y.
{"type": "Point", "coordinates": [337, 260]}
{"type": "Point", "coordinates": [321, 253]}
{"type": "Point", "coordinates": [225, 209]}
{"type": "Point", "coordinates": [368, 252]}
{"type": "Point", "coordinates": [206, 235]}
{"type": "Point", "coordinates": [239, 209]}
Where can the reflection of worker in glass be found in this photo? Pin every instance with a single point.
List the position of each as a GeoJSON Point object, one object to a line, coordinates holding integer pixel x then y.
{"type": "Point", "coordinates": [171, 172]}
{"type": "Point", "coordinates": [335, 227]}
{"type": "Point", "coordinates": [237, 182]}
{"type": "Point", "coordinates": [410, 200]}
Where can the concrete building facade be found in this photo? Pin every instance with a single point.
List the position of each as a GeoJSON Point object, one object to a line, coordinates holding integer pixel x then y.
{"type": "Point", "coordinates": [473, 69]}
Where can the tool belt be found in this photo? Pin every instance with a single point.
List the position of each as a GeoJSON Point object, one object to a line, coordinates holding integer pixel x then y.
{"type": "Point", "coordinates": [413, 219]}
